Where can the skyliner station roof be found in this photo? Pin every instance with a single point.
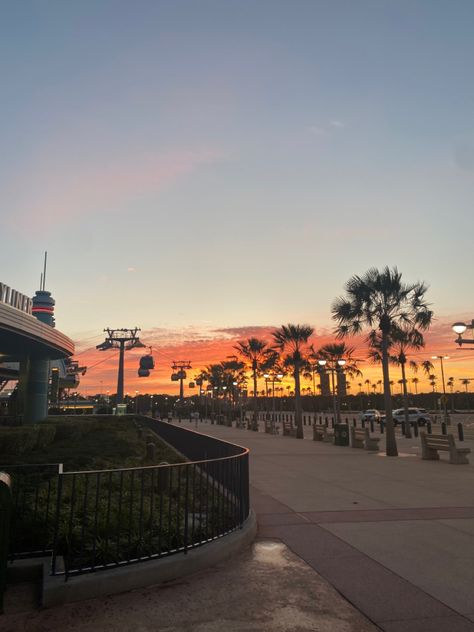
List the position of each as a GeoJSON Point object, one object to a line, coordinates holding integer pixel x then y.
{"type": "Point", "coordinates": [21, 335]}
{"type": "Point", "coordinates": [29, 338]}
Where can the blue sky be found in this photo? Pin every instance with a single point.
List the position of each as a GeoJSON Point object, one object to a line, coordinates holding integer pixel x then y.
{"type": "Point", "coordinates": [233, 163]}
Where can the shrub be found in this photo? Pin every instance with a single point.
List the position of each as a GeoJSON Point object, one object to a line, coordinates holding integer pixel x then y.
{"type": "Point", "coordinates": [17, 441]}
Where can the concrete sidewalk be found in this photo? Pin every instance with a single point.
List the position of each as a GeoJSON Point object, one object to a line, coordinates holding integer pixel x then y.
{"type": "Point", "coordinates": [267, 588]}
{"type": "Point", "coordinates": [394, 535]}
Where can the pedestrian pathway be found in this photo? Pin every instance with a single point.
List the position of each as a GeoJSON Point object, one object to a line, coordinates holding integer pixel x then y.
{"type": "Point", "coordinates": [395, 536]}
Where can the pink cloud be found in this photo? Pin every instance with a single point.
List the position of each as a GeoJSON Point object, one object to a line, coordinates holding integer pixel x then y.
{"type": "Point", "coordinates": [60, 194]}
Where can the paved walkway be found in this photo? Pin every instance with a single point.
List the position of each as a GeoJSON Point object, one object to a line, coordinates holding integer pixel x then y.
{"type": "Point", "coordinates": [395, 536]}
{"type": "Point", "coordinates": [265, 589]}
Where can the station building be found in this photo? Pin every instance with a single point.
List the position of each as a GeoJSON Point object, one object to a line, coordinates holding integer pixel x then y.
{"type": "Point", "coordinates": [30, 347]}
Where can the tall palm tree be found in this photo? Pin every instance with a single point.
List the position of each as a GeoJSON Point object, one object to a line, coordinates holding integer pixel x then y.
{"type": "Point", "coordinates": [402, 339]}
{"type": "Point", "coordinates": [367, 383]}
{"type": "Point", "coordinates": [381, 302]}
{"type": "Point", "coordinates": [415, 381]}
{"type": "Point", "coordinates": [256, 352]}
{"type": "Point", "coordinates": [292, 341]}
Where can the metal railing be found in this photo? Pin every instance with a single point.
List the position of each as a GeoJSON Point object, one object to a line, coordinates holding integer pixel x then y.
{"type": "Point", "coordinates": [34, 501]}
{"type": "Point", "coordinates": [101, 519]}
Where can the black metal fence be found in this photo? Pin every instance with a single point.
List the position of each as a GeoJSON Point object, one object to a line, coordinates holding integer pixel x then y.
{"type": "Point", "coordinates": [101, 519]}
{"type": "Point", "coordinates": [34, 504]}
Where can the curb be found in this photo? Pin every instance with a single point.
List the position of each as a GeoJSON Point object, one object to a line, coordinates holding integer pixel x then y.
{"type": "Point", "coordinates": [56, 591]}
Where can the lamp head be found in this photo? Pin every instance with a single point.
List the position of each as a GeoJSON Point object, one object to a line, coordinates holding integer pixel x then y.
{"type": "Point", "coordinates": [322, 362]}
{"type": "Point", "coordinates": [459, 328]}
{"type": "Point", "coordinates": [341, 362]}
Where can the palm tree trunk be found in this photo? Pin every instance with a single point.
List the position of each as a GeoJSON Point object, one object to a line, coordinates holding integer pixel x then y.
{"type": "Point", "coordinates": [255, 400]}
{"type": "Point", "coordinates": [298, 416]}
{"type": "Point", "coordinates": [405, 403]}
{"type": "Point", "coordinates": [391, 442]}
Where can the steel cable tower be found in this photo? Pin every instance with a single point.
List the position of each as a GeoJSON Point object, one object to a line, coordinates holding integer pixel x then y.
{"type": "Point", "coordinates": [123, 340]}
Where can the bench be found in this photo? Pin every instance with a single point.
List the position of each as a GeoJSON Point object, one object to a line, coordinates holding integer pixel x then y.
{"type": "Point", "coordinates": [270, 427]}
{"type": "Point", "coordinates": [431, 444]}
{"type": "Point", "coordinates": [360, 438]}
{"type": "Point", "coordinates": [288, 429]}
{"type": "Point", "coordinates": [323, 433]}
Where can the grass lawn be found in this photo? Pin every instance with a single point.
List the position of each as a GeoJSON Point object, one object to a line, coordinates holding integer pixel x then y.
{"type": "Point", "coordinates": [82, 443]}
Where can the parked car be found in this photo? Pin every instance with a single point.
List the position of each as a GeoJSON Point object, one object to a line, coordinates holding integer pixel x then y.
{"type": "Point", "coordinates": [369, 415]}
{"type": "Point", "coordinates": [414, 414]}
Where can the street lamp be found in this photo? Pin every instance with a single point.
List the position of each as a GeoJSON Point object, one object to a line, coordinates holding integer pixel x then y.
{"type": "Point", "coordinates": [334, 366]}
{"type": "Point", "coordinates": [273, 377]}
{"type": "Point", "coordinates": [441, 358]}
{"type": "Point", "coordinates": [460, 328]}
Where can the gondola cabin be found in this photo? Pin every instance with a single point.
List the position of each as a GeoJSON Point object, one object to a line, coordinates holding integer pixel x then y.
{"type": "Point", "coordinates": [147, 362]}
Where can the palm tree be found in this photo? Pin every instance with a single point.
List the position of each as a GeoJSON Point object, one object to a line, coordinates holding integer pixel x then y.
{"type": "Point", "coordinates": [292, 341]}
{"type": "Point", "coordinates": [450, 385]}
{"type": "Point", "coordinates": [367, 383]}
{"type": "Point", "coordinates": [401, 340]}
{"type": "Point", "coordinates": [381, 302]}
{"type": "Point", "coordinates": [415, 381]}
{"type": "Point", "coordinates": [256, 352]}
{"type": "Point", "coordinates": [465, 382]}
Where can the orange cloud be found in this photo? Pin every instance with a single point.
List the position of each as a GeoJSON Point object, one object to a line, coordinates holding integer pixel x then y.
{"type": "Point", "coordinates": [203, 346]}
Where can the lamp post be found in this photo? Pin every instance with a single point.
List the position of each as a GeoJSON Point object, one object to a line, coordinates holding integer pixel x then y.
{"type": "Point", "coordinates": [136, 402]}
{"type": "Point", "coordinates": [334, 366]}
{"type": "Point", "coordinates": [273, 377]}
{"type": "Point", "coordinates": [459, 329]}
{"type": "Point", "coordinates": [445, 408]}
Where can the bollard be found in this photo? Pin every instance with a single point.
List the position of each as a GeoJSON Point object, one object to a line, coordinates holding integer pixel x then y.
{"type": "Point", "coordinates": [332, 422]}
{"type": "Point", "coordinates": [460, 431]}
{"type": "Point", "coordinates": [354, 422]}
{"type": "Point", "coordinates": [382, 426]}
{"type": "Point", "coordinates": [415, 428]}
{"type": "Point", "coordinates": [444, 429]}
{"type": "Point", "coordinates": [428, 427]}
{"type": "Point", "coordinates": [326, 422]}
{"type": "Point", "coordinates": [372, 425]}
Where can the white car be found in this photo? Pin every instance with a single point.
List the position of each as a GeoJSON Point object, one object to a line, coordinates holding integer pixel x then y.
{"type": "Point", "coordinates": [369, 415]}
{"type": "Point", "coordinates": [419, 415]}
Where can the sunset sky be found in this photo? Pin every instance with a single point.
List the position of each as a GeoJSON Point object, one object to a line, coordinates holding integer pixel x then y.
{"type": "Point", "coordinates": [207, 169]}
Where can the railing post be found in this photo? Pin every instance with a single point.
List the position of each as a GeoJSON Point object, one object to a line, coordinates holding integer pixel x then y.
{"type": "Point", "coordinates": [56, 522]}
{"type": "Point", "coordinates": [5, 517]}
{"type": "Point", "coordinates": [460, 431]}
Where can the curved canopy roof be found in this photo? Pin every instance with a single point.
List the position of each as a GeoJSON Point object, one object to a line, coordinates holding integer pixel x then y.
{"type": "Point", "coordinates": [23, 335]}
